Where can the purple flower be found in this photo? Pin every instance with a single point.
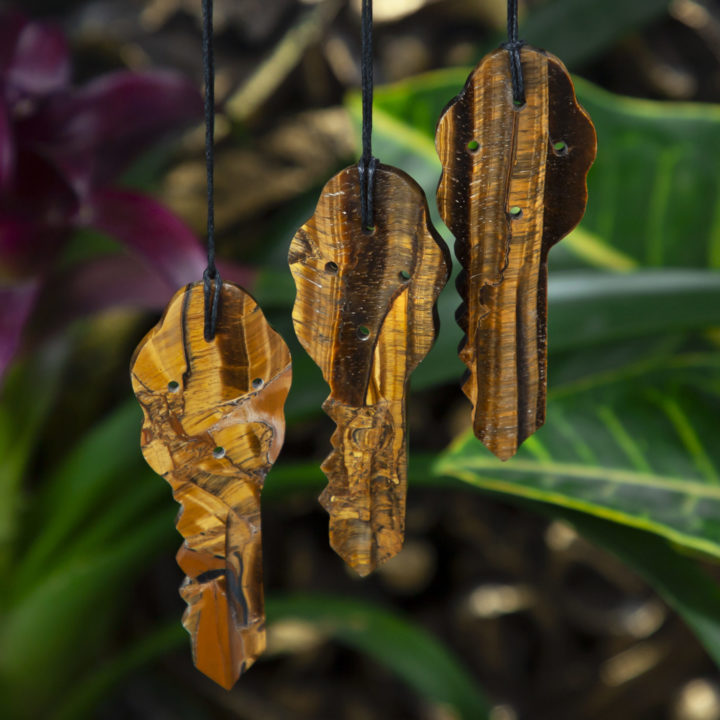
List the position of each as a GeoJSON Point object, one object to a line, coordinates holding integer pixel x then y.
{"type": "Point", "coordinates": [62, 150]}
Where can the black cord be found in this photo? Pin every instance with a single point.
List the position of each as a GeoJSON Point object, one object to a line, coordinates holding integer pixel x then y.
{"type": "Point", "coordinates": [211, 275]}
{"type": "Point", "coordinates": [367, 163]}
{"type": "Point", "coordinates": [513, 46]}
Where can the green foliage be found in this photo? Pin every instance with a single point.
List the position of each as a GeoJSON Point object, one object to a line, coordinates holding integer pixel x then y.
{"type": "Point", "coordinates": [92, 531]}
{"type": "Point", "coordinates": [393, 642]}
{"type": "Point", "coordinates": [577, 30]}
{"type": "Point", "coordinates": [636, 453]}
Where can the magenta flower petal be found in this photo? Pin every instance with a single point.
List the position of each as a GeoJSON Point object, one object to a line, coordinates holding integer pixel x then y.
{"type": "Point", "coordinates": [238, 274]}
{"type": "Point", "coordinates": [105, 282]}
{"type": "Point", "coordinates": [17, 238]}
{"type": "Point", "coordinates": [16, 303]}
{"type": "Point", "coordinates": [7, 148]}
{"type": "Point", "coordinates": [150, 231]}
{"type": "Point", "coordinates": [41, 62]}
{"type": "Point", "coordinates": [28, 248]}
{"type": "Point", "coordinates": [12, 23]}
{"type": "Point", "coordinates": [95, 285]}
{"type": "Point", "coordinates": [95, 132]}
{"type": "Point", "coordinates": [36, 212]}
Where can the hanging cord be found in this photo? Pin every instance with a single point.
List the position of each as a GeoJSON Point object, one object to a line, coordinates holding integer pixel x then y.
{"type": "Point", "coordinates": [212, 295]}
{"type": "Point", "coordinates": [367, 163]}
{"type": "Point", "coordinates": [513, 46]}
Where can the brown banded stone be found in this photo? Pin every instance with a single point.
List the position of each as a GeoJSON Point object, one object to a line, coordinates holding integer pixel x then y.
{"type": "Point", "coordinates": [513, 184]}
{"type": "Point", "coordinates": [213, 426]}
{"type": "Point", "coordinates": [365, 312]}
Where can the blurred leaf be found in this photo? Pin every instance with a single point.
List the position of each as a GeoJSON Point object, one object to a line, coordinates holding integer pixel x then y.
{"type": "Point", "coordinates": [578, 30]}
{"type": "Point", "coordinates": [97, 520]}
{"type": "Point", "coordinates": [84, 489]}
{"type": "Point", "coordinates": [597, 309]}
{"type": "Point", "coordinates": [27, 397]}
{"type": "Point", "coordinates": [82, 699]}
{"type": "Point", "coordinates": [39, 649]}
{"type": "Point", "coordinates": [655, 184]}
{"type": "Point", "coordinates": [404, 648]}
{"type": "Point", "coordinates": [641, 454]}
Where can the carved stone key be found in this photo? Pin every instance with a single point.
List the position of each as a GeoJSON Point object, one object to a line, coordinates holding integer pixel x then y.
{"type": "Point", "coordinates": [513, 184]}
{"type": "Point", "coordinates": [365, 312]}
{"type": "Point", "coordinates": [213, 427]}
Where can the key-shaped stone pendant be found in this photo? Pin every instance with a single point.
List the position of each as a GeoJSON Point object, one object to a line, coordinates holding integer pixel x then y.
{"type": "Point", "coordinates": [365, 312]}
{"type": "Point", "coordinates": [513, 185]}
{"type": "Point", "coordinates": [213, 426]}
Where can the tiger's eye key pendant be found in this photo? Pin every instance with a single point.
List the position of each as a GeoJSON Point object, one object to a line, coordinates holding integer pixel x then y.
{"type": "Point", "coordinates": [213, 426]}
{"type": "Point", "coordinates": [513, 184]}
{"type": "Point", "coordinates": [365, 312]}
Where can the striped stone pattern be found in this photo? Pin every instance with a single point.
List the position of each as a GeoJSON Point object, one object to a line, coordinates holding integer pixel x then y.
{"type": "Point", "coordinates": [365, 312]}
{"type": "Point", "coordinates": [213, 426]}
{"type": "Point", "coordinates": [513, 184]}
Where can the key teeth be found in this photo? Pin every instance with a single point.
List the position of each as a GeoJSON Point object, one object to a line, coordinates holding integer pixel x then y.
{"type": "Point", "coordinates": [364, 501]}
{"type": "Point", "coordinates": [225, 607]}
{"type": "Point", "coordinates": [240, 648]}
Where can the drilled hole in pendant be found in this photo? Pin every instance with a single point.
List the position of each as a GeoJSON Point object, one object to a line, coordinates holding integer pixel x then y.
{"type": "Point", "coordinates": [515, 212]}
{"type": "Point", "coordinates": [173, 386]}
{"type": "Point", "coordinates": [257, 383]}
{"type": "Point", "coordinates": [473, 146]}
{"type": "Point", "coordinates": [560, 147]}
{"type": "Point", "coordinates": [331, 268]}
{"type": "Point", "coordinates": [219, 452]}
{"type": "Point", "coordinates": [363, 332]}
{"type": "Point", "coordinates": [404, 275]}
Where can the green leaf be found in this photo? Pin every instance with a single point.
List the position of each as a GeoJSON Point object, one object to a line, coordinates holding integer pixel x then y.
{"type": "Point", "coordinates": [96, 520]}
{"type": "Point", "coordinates": [83, 698]}
{"type": "Point", "coordinates": [27, 396]}
{"type": "Point", "coordinates": [101, 484]}
{"type": "Point", "coordinates": [654, 187]}
{"type": "Point", "coordinates": [641, 454]}
{"type": "Point", "coordinates": [406, 649]}
{"type": "Point", "coordinates": [599, 309]}
{"type": "Point", "coordinates": [578, 30]}
{"type": "Point", "coordinates": [39, 649]}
